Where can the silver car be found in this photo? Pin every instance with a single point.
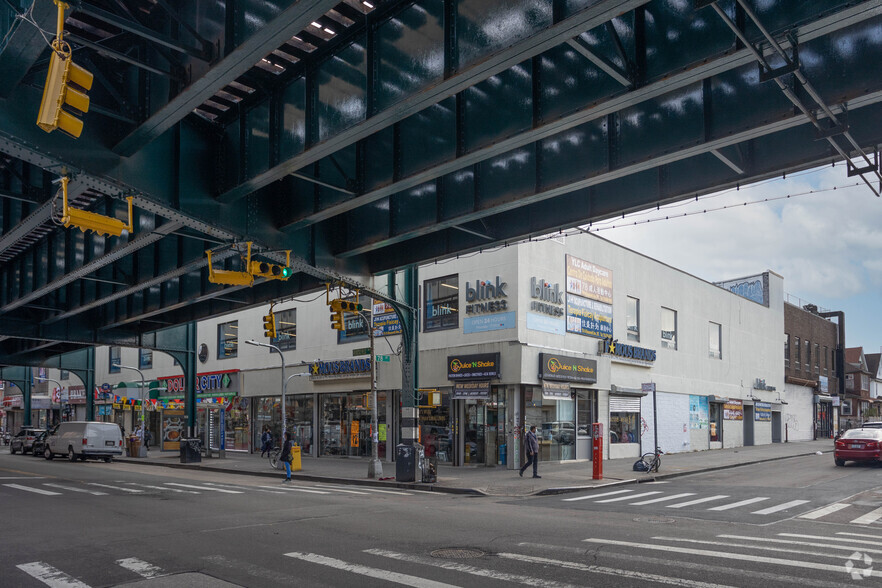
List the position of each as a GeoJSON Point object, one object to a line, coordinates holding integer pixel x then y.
{"type": "Point", "coordinates": [24, 440]}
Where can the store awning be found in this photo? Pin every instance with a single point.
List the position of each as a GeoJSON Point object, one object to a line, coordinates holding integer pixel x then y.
{"type": "Point", "coordinates": [133, 389]}
{"type": "Point", "coordinates": [621, 391]}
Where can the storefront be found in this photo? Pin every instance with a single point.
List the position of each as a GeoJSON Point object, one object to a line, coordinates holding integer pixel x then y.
{"type": "Point", "coordinates": [346, 424]}
{"type": "Point", "coordinates": [479, 410]}
{"type": "Point", "coordinates": [553, 407]}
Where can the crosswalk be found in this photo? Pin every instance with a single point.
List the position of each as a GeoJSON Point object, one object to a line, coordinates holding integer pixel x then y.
{"type": "Point", "coordinates": [122, 488]}
{"type": "Point", "coordinates": [727, 559]}
{"type": "Point", "coordinates": [718, 503]}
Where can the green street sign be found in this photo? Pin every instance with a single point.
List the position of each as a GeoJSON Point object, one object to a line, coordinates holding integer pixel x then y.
{"type": "Point", "coordinates": [384, 358]}
{"type": "Point", "coordinates": [361, 351]}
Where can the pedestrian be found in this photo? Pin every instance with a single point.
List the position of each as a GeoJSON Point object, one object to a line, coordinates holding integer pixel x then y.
{"type": "Point", "coordinates": [266, 441]}
{"type": "Point", "coordinates": [286, 456]}
{"type": "Point", "coordinates": [531, 445]}
{"type": "Point", "coordinates": [148, 437]}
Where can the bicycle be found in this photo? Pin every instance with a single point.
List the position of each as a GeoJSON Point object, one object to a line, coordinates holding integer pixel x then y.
{"type": "Point", "coordinates": [652, 460]}
{"type": "Point", "coordinates": [273, 456]}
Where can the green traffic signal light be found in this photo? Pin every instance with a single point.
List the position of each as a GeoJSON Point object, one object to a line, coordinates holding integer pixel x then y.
{"type": "Point", "coordinates": [287, 272]}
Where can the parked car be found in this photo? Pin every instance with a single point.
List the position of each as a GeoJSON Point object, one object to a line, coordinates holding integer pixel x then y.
{"type": "Point", "coordinates": [858, 445]}
{"type": "Point", "coordinates": [23, 441]}
{"type": "Point", "coordinates": [39, 444]}
{"type": "Point", "coordinates": [84, 440]}
{"type": "Point", "coordinates": [872, 425]}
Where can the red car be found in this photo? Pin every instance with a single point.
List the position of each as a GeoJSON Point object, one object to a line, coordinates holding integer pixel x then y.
{"type": "Point", "coordinates": [859, 445]}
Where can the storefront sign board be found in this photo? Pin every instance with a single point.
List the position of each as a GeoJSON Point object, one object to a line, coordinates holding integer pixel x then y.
{"type": "Point", "coordinates": [628, 353]}
{"type": "Point", "coordinates": [567, 369]}
{"type": "Point", "coordinates": [490, 322]}
{"type": "Point", "coordinates": [588, 317]}
{"type": "Point", "coordinates": [340, 368]}
{"type": "Point", "coordinates": [353, 433]}
{"type": "Point", "coordinates": [473, 367]}
{"type": "Point", "coordinates": [546, 324]}
{"type": "Point", "coordinates": [733, 410]}
{"type": "Point", "coordinates": [589, 280]}
{"type": "Point", "coordinates": [762, 411]}
{"type": "Point", "coordinates": [174, 424]}
{"type": "Point", "coordinates": [555, 390]}
{"type": "Point", "coordinates": [385, 321]}
{"type": "Point", "coordinates": [471, 390]}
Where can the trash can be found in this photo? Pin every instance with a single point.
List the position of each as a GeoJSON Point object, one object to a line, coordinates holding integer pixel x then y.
{"type": "Point", "coordinates": [405, 463]}
{"type": "Point", "coordinates": [134, 447]}
{"type": "Point", "coordinates": [191, 451]}
{"type": "Point", "coordinates": [430, 469]}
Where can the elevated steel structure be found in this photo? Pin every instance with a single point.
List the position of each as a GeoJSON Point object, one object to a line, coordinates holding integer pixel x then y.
{"type": "Point", "coordinates": [367, 136]}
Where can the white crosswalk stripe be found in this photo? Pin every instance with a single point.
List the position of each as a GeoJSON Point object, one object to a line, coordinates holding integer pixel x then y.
{"type": "Point", "coordinates": [245, 488]}
{"type": "Point", "coordinates": [868, 518]}
{"type": "Point", "coordinates": [202, 488]}
{"type": "Point", "coordinates": [74, 489]}
{"type": "Point", "coordinates": [163, 488]}
{"type": "Point", "coordinates": [335, 489]}
{"type": "Point", "coordinates": [779, 507]}
{"type": "Point", "coordinates": [629, 497]}
{"type": "Point", "coordinates": [698, 501]}
{"type": "Point", "coordinates": [140, 567]}
{"type": "Point", "coordinates": [129, 490]}
{"type": "Point", "coordinates": [297, 489]}
{"type": "Point", "coordinates": [590, 496]}
{"type": "Point", "coordinates": [34, 490]}
{"type": "Point", "coordinates": [662, 499]}
{"type": "Point", "coordinates": [824, 511]}
{"type": "Point", "coordinates": [50, 576]}
{"type": "Point", "coordinates": [370, 572]}
{"type": "Point", "coordinates": [739, 504]}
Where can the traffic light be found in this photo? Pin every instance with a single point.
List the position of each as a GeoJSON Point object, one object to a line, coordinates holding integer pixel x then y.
{"type": "Point", "coordinates": [270, 271]}
{"type": "Point", "coordinates": [337, 315]}
{"type": "Point", "coordinates": [348, 306]}
{"type": "Point", "coordinates": [269, 326]}
{"type": "Point", "coordinates": [66, 87]}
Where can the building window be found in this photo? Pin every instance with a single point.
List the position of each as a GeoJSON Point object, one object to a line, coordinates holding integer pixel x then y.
{"type": "Point", "coordinates": [865, 382]}
{"type": "Point", "coordinates": [441, 304]}
{"type": "Point", "coordinates": [145, 359]}
{"type": "Point", "coordinates": [826, 359]}
{"type": "Point", "coordinates": [715, 341]}
{"type": "Point", "coordinates": [113, 366]}
{"type": "Point", "coordinates": [65, 375]}
{"type": "Point", "coordinates": [624, 419]}
{"type": "Point", "coordinates": [632, 318]}
{"type": "Point", "coordinates": [286, 329]}
{"type": "Point", "coordinates": [668, 328]}
{"type": "Point", "coordinates": [786, 349]}
{"type": "Point", "coordinates": [715, 420]}
{"type": "Point", "coordinates": [808, 356]}
{"type": "Point", "coordinates": [228, 340]}
{"type": "Point", "coordinates": [797, 348]}
{"type": "Point", "coordinates": [817, 358]}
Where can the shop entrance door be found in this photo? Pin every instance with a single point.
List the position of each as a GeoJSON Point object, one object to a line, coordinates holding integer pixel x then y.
{"type": "Point", "coordinates": [748, 425]}
{"type": "Point", "coordinates": [485, 433]}
{"type": "Point", "coordinates": [475, 446]}
{"type": "Point", "coordinates": [776, 427]}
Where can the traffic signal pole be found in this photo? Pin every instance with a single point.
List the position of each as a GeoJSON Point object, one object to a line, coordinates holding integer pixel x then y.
{"type": "Point", "coordinates": [375, 467]}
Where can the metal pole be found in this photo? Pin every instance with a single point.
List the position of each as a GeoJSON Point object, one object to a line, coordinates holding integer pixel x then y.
{"type": "Point", "coordinates": [375, 467]}
{"type": "Point", "coordinates": [654, 419]}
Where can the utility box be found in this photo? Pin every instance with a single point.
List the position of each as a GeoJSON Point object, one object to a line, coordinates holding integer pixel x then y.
{"type": "Point", "coordinates": [296, 462]}
{"type": "Point", "coordinates": [191, 451]}
{"type": "Point", "coordinates": [429, 469]}
{"type": "Point", "coordinates": [405, 463]}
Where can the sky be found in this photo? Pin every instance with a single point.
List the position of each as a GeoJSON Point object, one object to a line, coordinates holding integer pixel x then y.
{"type": "Point", "coordinates": [819, 229]}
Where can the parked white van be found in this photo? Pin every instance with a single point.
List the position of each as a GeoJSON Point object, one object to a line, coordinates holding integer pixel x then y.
{"type": "Point", "coordinates": [84, 439]}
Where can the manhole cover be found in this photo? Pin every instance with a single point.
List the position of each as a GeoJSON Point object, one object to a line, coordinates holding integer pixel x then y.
{"type": "Point", "coordinates": [457, 553]}
{"type": "Point", "coordinates": [654, 520]}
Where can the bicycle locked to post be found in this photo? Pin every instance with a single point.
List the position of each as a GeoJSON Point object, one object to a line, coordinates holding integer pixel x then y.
{"type": "Point", "coordinates": [652, 461]}
{"type": "Point", "coordinates": [274, 456]}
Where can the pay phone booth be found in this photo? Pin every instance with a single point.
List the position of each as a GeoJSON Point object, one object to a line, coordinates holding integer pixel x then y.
{"type": "Point", "coordinates": [211, 428]}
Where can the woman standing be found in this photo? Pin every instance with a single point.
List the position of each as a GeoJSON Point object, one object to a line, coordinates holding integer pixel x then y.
{"type": "Point", "coordinates": [286, 456]}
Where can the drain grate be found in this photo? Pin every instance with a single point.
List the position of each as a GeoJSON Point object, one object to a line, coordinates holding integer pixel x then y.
{"type": "Point", "coordinates": [457, 553]}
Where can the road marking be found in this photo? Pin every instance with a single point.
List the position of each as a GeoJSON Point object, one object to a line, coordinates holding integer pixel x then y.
{"type": "Point", "coordinates": [662, 499]}
{"type": "Point", "coordinates": [202, 488]}
{"type": "Point", "coordinates": [339, 489]}
{"type": "Point", "coordinates": [22, 477]}
{"type": "Point", "coordinates": [628, 497]}
{"type": "Point", "coordinates": [612, 571]}
{"type": "Point", "coordinates": [737, 504]}
{"type": "Point", "coordinates": [780, 507]}
{"type": "Point", "coordinates": [50, 576]}
{"type": "Point", "coordinates": [827, 538]}
{"type": "Point", "coordinates": [362, 489]}
{"type": "Point", "coordinates": [698, 501]}
{"type": "Point", "coordinates": [596, 495]}
{"type": "Point", "coordinates": [296, 489]}
{"type": "Point", "coordinates": [142, 568]}
{"type": "Point", "coordinates": [467, 569]}
{"type": "Point", "coordinates": [877, 537]}
{"type": "Point", "coordinates": [728, 555]}
{"type": "Point", "coordinates": [822, 512]}
{"type": "Point", "coordinates": [806, 543]}
{"type": "Point", "coordinates": [163, 488]}
{"type": "Point", "coordinates": [132, 490]}
{"type": "Point", "coordinates": [870, 517]}
{"type": "Point", "coordinates": [246, 488]}
{"type": "Point", "coordinates": [837, 556]}
{"type": "Point", "coordinates": [35, 490]}
{"type": "Point", "coordinates": [367, 571]}
{"type": "Point", "coordinates": [74, 489]}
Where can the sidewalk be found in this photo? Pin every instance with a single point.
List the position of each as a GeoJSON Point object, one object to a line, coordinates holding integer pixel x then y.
{"type": "Point", "coordinates": [557, 478]}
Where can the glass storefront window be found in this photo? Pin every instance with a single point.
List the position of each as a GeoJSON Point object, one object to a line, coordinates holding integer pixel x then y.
{"type": "Point", "coordinates": [299, 417]}
{"type": "Point", "coordinates": [267, 411]}
{"type": "Point", "coordinates": [237, 426]}
{"type": "Point", "coordinates": [435, 432]}
{"type": "Point", "coordinates": [623, 427]}
{"type": "Point", "coordinates": [485, 434]}
{"type": "Point", "coordinates": [585, 413]}
{"type": "Point", "coordinates": [346, 424]}
{"type": "Point", "coordinates": [555, 421]}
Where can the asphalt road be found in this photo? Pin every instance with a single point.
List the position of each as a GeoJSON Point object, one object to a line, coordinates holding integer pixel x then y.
{"type": "Point", "coordinates": [801, 522]}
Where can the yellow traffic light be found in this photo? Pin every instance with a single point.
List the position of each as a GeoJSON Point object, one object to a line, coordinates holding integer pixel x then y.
{"type": "Point", "coordinates": [348, 306]}
{"type": "Point", "coordinates": [269, 326]}
{"type": "Point", "coordinates": [229, 277]}
{"type": "Point", "coordinates": [66, 86]}
{"type": "Point", "coordinates": [337, 315]}
{"type": "Point", "coordinates": [270, 271]}
{"type": "Point", "coordinates": [91, 221]}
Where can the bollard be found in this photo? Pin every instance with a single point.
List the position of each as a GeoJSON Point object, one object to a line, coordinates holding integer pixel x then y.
{"type": "Point", "coordinates": [597, 451]}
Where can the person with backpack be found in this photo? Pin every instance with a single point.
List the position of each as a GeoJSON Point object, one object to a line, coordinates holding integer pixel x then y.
{"type": "Point", "coordinates": [285, 458]}
{"type": "Point", "coordinates": [531, 446]}
{"type": "Point", "coordinates": [266, 441]}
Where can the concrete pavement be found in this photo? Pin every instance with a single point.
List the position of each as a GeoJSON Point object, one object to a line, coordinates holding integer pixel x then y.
{"type": "Point", "coordinates": [497, 481]}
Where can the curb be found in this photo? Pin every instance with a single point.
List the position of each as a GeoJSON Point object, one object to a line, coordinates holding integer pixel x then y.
{"type": "Point", "coordinates": [311, 478]}
{"type": "Point", "coordinates": [571, 489]}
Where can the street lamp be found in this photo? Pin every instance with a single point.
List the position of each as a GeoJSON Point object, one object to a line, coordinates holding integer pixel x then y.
{"type": "Point", "coordinates": [57, 383]}
{"type": "Point", "coordinates": [284, 381]}
{"type": "Point", "coordinates": [375, 466]}
{"type": "Point", "coordinates": [143, 401]}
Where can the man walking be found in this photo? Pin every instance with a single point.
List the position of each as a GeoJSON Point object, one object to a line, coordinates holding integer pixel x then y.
{"type": "Point", "coordinates": [531, 445]}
